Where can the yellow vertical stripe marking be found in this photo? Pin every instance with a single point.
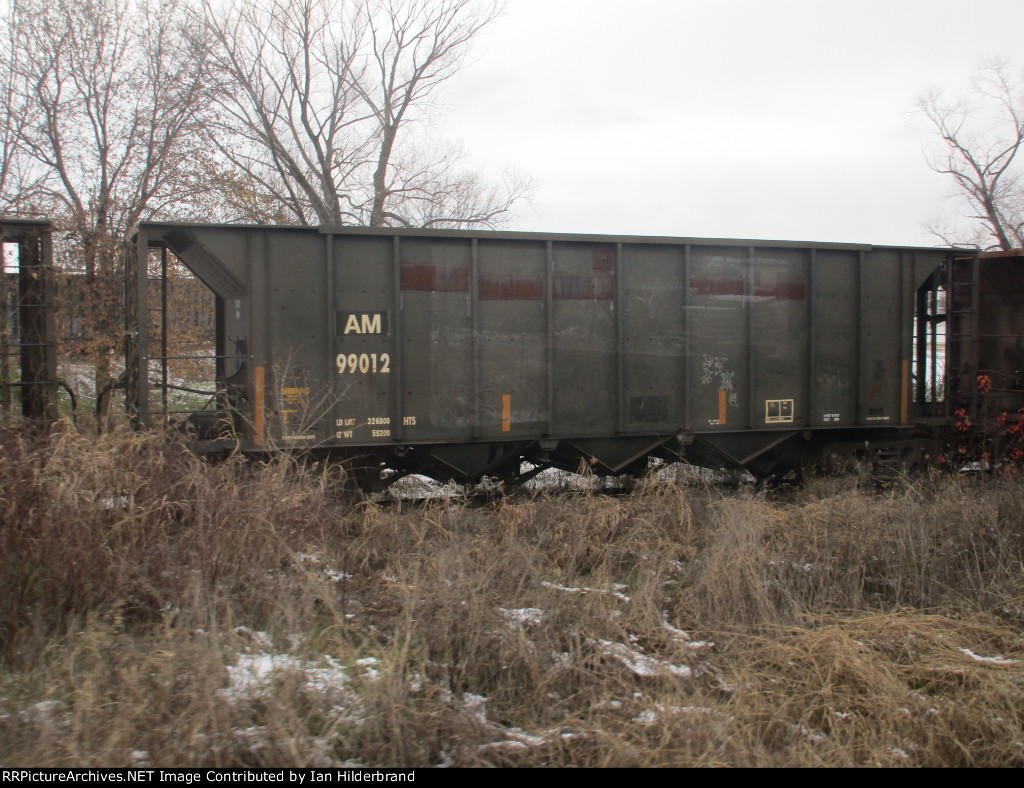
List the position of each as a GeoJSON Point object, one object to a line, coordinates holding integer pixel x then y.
{"type": "Point", "coordinates": [258, 403]}
{"type": "Point", "coordinates": [506, 413]}
{"type": "Point", "coordinates": [722, 402]}
{"type": "Point", "coordinates": [905, 394]}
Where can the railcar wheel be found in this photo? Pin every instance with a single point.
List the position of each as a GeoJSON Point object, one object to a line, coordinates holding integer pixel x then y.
{"type": "Point", "coordinates": [819, 460]}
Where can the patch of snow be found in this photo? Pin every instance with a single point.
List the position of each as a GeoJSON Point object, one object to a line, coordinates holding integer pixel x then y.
{"type": "Point", "coordinates": [261, 639]}
{"type": "Point", "coordinates": [475, 705]}
{"type": "Point", "coordinates": [510, 743]}
{"type": "Point", "coordinates": [253, 671]}
{"type": "Point", "coordinates": [990, 660]}
{"type": "Point", "coordinates": [524, 615]}
{"type": "Point", "coordinates": [121, 502]}
{"type": "Point", "coordinates": [447, 761]}
{"type": "Point", "coordinates": [649, 716]}
{"type": "Point", "coordinates": [641, 664]}
{"type": "Point", "coordinates": [317, 560]}
{"type": "Point", "coordinates": [518, 739]}
{"type": "Point", "coordinates": [677, 634]}
{"type": "Point", "coordinates": [521, 736]}
{"type": "Point", "coordinates": [52, 714]}
{"type": "Point", "coordinates": [803, 730]}
{"type": "Point", "coordinates": [322, 680]}
{"type": "Point", "coordinates": [369, 671]}
{"type": "Point", "coordinates": [584, 590]}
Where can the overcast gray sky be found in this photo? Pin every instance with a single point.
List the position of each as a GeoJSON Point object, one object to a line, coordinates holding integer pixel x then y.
{"type": "Point", "coordinates": [784, 119]}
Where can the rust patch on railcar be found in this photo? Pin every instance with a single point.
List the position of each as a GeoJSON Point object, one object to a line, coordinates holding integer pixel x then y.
{"type": "Point", "coordinates": [510, 289]}
{"type": "Point", "coordinates": [782, 291]}
{"type": "Point", "coordinates": [435, 279]}
{"type": "Point", "coordinates": [604, 258]}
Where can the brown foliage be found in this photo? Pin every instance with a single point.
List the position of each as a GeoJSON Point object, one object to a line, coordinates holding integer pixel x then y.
{"type": "Point", "coordinates": [165, 611]}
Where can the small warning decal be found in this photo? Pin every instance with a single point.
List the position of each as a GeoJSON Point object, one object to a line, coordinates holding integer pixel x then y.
{"type": "Point", "coordinates": [778, 411]}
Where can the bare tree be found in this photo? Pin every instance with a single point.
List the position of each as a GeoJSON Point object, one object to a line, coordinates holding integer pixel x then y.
{"type": "Point", "coordinates": [315, 94]}
{"type": "Point", "coordinates": [414, 46]}
{"type": "Point", "coordinates": [115, 90]}
{"type": "Point", "coordinates": [431, 189]}
{"type": "Point", "coordinates": [981, 136]}
{"type": "Point", "coordinates": [20, 181]}
{"type": "Point", "coordinates": [291, 118]}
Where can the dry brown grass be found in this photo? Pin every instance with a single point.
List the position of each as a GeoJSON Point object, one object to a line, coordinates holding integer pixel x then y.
{"type": "Point", "coordinates": [162, 611]}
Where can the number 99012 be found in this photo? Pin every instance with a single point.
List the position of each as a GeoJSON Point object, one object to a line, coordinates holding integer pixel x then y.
{"type": "Point", "coordinates": [363, 363]}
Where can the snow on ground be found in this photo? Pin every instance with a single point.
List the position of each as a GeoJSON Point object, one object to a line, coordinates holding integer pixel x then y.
{"type": "Point", "coordinates": [416, 487]}
{"type": "Point", "coordinates": [650, 716]}
{"type": "Point", "coordinates": [641, 664]}
{"type": "Point", "coordinates": [523, 615]}
{"type": "Point", "coordinates": [991, 660]}
{"type": "Point", "coordinates": [254, 671]}
{"type": "Point", "coordinates": [615, 591]}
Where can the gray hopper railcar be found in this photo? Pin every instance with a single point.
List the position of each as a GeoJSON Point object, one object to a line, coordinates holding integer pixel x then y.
{"type": "Point", "coordinates": [461, 354]}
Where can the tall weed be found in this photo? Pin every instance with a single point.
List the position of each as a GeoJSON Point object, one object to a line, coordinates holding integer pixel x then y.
{"type": "Point", "coordinates": [160, 610]}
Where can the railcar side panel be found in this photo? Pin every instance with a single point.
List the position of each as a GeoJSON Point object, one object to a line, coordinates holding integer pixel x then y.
{"type": "Point", "coordinates": [512, 339]}
{"type": "Point", "coordinates": [439, 391]}
{"type": "Point", "coordinates": [779, 338]}
{"type": "Point", "coordinates": [583, 339]}
{"type": "Point", "coordinates": [652, 319]}
{"type": "Point", "coordinates": [881, 325]}
{"type": "Point", "coordinates": [292, 348]}
{"type": "Point", "coordinates": [836, 349]}
{"type": "Point", "coordinates": [365, 340]}
{"type": "Point", "coordinates": [718, 339]}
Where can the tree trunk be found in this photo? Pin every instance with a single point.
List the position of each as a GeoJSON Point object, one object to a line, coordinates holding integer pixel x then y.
{"type": "Point", "coordinates": [380, 177]}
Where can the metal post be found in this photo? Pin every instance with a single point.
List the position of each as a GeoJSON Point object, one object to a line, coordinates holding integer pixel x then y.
{"type": "Point", "coordinates": [163, 330]}
{"type": "Point", "coordinates": [5, 323]}
{"type": "Point", "coordinates": [142, 326]}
